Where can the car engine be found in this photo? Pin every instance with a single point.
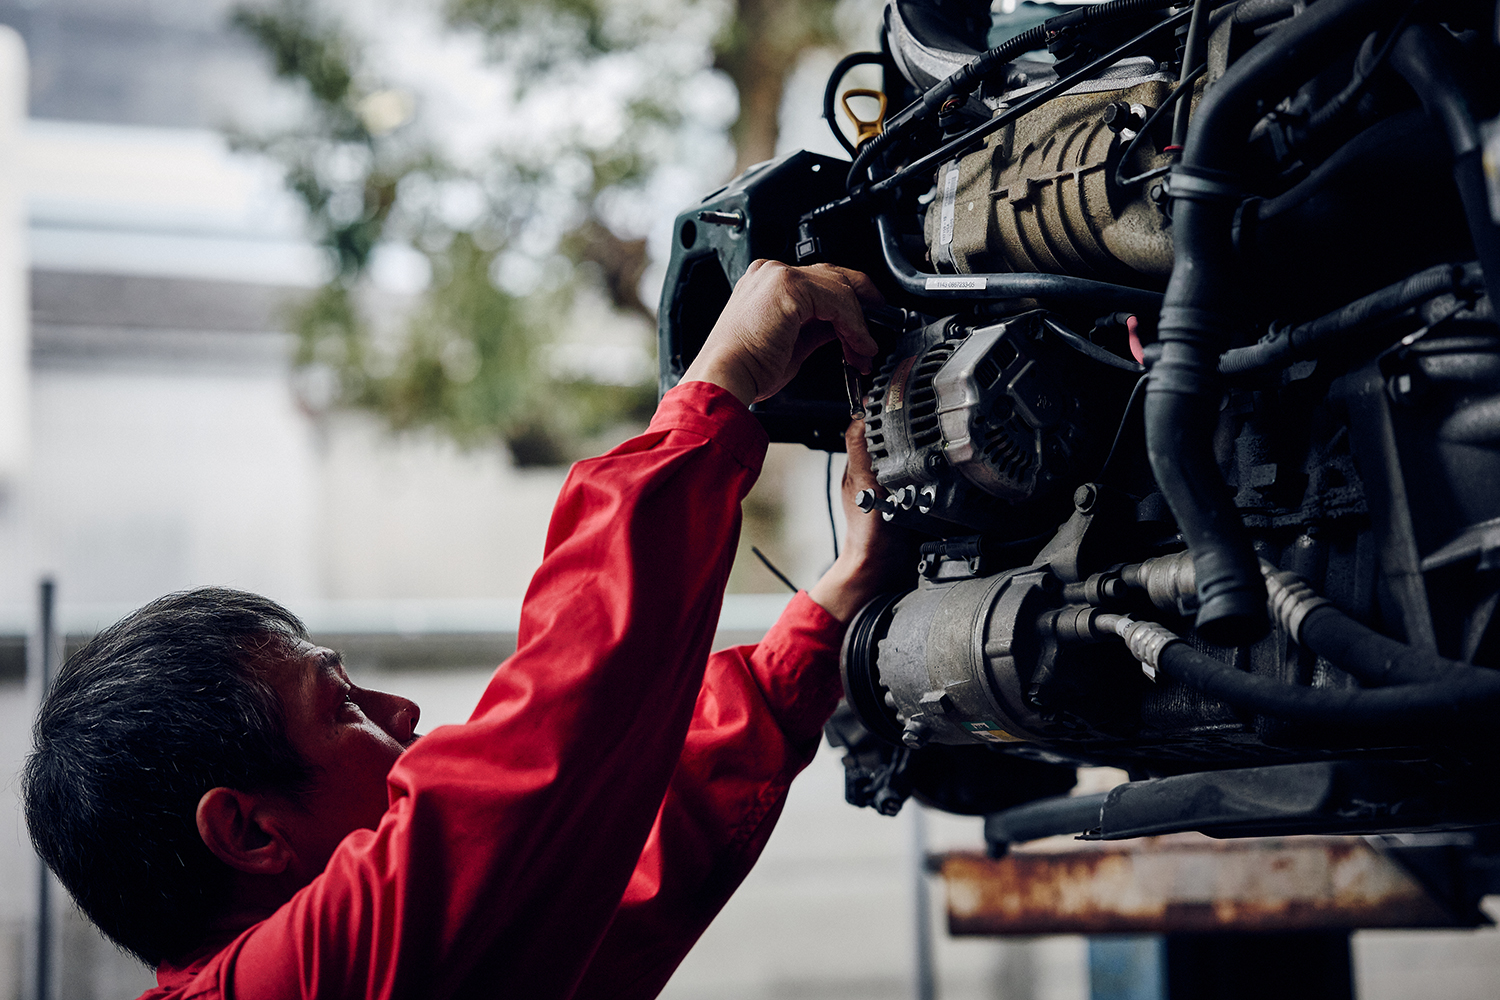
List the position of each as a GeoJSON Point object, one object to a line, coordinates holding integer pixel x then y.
{"type": "Point", "coordinates": [1189, 396]}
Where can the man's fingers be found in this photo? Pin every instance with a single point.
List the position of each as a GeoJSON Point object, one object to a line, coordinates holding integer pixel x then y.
{"type": "Point", "coordinates": [863, 287]}
{"type": "Point", "coordinates": [774, 319]}
{"type": "Point", "coordinates": [860, 350]}
{"type": "Point", "coordinates": [859, 473]}
{"type": "Point", "coordinates": [835, 298]}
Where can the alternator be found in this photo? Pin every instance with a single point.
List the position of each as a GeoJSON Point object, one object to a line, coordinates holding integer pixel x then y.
{"type": "Point", "coordinates": [959, 418]}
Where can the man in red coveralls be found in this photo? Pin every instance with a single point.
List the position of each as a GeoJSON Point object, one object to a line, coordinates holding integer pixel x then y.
{"type": "Point", "coordinates": [226, 805]}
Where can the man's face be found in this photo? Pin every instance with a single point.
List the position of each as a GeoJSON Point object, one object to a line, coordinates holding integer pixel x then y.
{"type": "Point", "coordinates": [351, 736]}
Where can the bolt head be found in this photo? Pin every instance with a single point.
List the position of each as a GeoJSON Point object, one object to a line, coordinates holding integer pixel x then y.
{"type": "Point", "coordinates": [1085, 497]}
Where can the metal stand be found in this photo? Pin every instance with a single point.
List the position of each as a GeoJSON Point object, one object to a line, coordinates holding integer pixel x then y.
{"type": "Point", "coordinates": [43, 660]}
{"type": "Point", "coordinates": [1210, 919]}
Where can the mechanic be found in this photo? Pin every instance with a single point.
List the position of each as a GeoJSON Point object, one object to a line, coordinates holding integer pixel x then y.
{"type": "Point", "coordinates": [225, 804]}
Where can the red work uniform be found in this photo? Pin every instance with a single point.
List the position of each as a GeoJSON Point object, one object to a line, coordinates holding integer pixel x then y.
{"type": "Point", "coordinates": [612, 788]}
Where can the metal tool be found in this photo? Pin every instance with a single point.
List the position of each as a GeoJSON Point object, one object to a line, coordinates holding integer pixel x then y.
{"type": "Point", "coordinates": [854, 391]}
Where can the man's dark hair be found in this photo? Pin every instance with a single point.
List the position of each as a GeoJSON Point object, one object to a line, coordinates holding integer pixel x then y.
{"type": "Point", "coordinates": [153, 712]}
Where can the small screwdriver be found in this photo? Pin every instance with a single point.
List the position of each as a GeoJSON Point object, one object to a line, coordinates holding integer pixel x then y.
{"type": "Point", "coordinates": [888, 317]}
{"type": "Point", "coordinates": [854, 391]}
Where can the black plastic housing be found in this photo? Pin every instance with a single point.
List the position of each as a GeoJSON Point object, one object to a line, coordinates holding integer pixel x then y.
{"type": "Point", "coordinates": [709, 257]}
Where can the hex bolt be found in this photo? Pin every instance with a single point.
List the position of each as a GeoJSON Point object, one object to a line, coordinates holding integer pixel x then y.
{"type": "Point", "coordinates": [865, 500]}
{"type": "Point", "coordinates": [915, 735]}
{"type": "Point", "coordinates": [1119, 116]}
{"type": "Point", "coordinates": [734, 220]}
{"type": "Point", "coordinates": [1085, 497]}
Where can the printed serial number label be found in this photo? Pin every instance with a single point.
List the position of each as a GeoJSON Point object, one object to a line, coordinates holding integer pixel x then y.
{"type": "Point", "coordinates": [950, 191]}
{"type": "Point", "coordinates": [895, 397]}
{"type": "Point", "coordinates": [956, 283]}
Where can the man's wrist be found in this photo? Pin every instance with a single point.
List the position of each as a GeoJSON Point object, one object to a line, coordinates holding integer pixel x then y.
{"type": "Point", "coordinates": [845, 588]}
{"type": "Point", "coordinates": [730, 377]}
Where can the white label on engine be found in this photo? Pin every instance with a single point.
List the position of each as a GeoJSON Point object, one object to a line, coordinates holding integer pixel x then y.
{"type": "Point", "coordinates": [950, 191]}
{"type": "Point", "coordinates": [956, 283]}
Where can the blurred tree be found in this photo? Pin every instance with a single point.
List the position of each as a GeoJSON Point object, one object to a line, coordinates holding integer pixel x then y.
{"type": "Point", "coordinates": [759, 48]}
{"type": "Point", "coordinates": [469, 359]}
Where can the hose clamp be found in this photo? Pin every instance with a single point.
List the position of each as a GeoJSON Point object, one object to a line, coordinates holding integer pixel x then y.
{"type": "Point", "coordinates": [1290, 599]}
{"type": "Point", "coordinates": [1197, 184]}
{"type": "Point", "coordinates": [1144, 639]}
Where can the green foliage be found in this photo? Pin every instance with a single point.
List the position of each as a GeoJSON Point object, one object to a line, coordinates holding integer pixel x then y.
{"type": "Point", "coordinates": [304, 49]}
{"type": "Point", "coordinates": [466, 357]}
{"type": "Point", "coordinates": [469, 358]}
{"type": "Point", "coordinates": [465, 365]}
{"type": "Point", "coordinates": [547, 31]}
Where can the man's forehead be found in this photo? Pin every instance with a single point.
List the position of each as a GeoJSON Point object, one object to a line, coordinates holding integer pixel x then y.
{"type": "Point", "coordinates": [304, 649]}
{"type": "Point", "coordinates": [308, 663]}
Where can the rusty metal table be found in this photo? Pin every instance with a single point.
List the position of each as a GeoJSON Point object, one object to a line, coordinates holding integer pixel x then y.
{"type": "Point", "coordinates": [1240, 918]}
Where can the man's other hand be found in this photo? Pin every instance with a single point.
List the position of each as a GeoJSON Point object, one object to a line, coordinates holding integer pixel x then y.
{"type": "Point", "coordinates": [776, 317]}
{"type": "Point", "coordinates": [875, 553]}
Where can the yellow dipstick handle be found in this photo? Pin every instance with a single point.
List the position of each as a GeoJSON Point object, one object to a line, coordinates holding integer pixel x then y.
{"type": "Point", "coordinates": [865, 129]}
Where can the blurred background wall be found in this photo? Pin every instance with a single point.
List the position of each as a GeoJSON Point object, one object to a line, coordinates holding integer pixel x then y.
{"type": "Point", "coordinates": [155, 434]}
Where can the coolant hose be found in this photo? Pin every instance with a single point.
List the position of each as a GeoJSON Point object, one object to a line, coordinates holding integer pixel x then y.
{"type": "Point", "coordinates": [1426, 56]}
{"type": "Point", "coordinates": [1457, 690]}
{"type": "Point", "coordinates": [1460, 694]}
{"type": "Point", "coordinates": [1306, 340]}
{"type": "Point", "coordinates": [1200, 312]}
{"type": "Point", "coordinates": [1375, 659]}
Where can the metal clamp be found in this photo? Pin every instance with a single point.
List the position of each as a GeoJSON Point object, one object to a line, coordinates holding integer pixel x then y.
{"type": "Point", "coordinates": [1193, 184]}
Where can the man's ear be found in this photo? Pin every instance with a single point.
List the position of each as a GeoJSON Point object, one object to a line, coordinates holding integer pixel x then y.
{"type": "Point", "coordinates": [241, 830]}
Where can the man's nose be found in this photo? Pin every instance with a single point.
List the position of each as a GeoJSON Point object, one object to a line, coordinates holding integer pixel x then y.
{"type": "Point", "coordinates": [396, 715]}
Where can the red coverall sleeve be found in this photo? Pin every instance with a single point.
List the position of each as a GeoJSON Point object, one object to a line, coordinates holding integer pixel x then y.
{"type": "Point", "coordinates": [758, 721]}
{"type": "Point", "coordinates": [510, 840]}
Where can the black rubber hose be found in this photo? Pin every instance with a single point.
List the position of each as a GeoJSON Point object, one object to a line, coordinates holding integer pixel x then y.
{"type": "Point", "coordinates": [1194, 51]}
{"type": "Point", "coordinates": [1427, 56]}
{"type": "Point", "coordinates": [1062, 289]}
{"type": "Point", "coordinates": [1290, 344]}
{"type": "Point", "coordinates": [1460, 695]}
{"type": "Point", "coordinates": [959, 84]}
{"type": "Point", "coordinates": [830, 92]}
{"type": "Point", "coordinates": [1201, 309]}
{"type": "Point", "coordinates": [1089, 349]}
{"type": "Point", "coordinates": [1173, 100]}
{"type": "Point", "coordinates": [1374, 659]}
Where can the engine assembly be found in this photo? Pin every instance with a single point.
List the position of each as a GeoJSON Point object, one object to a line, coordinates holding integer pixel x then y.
{"type": "Point", "coordinates": [1189, 394]}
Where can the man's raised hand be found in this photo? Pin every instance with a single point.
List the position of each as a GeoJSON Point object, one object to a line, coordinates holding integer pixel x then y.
{"type": "Point", "coordinates": [776, 317]}
{"type": "Point", "coordinates": [875, 554]}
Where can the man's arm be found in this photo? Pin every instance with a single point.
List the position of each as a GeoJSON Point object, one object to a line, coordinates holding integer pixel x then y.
{"type": "Point", "coordinates": [510, 840]}
{"type": "Point", "coordinates": [757, 724]}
